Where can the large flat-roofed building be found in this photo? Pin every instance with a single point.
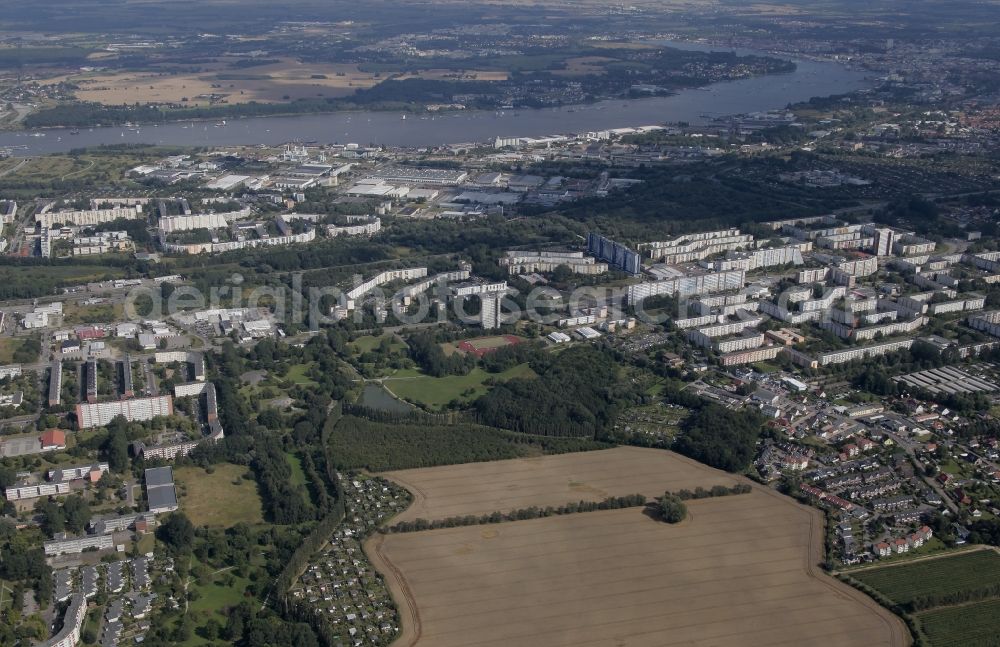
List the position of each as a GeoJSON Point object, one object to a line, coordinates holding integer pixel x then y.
{"type": "Point", "coordinates": [98, 414]}
{"type": "Point", "coordinates": [160, 493]}
{"type": "Point", "coordinates": [91, 380]}
{"type": "Point", "coordinates": [862, 352]}
{"type": "Point", "coordinates": [687, 285]}
{"type": "Point", "coordinates": [987, 322]}
{"type": "Point", "coordinates": [364, 228]}
{"type": "Point", "coordinates": [91, 472]}
{"type": "Point", "coordinates": [36, 491]}
{"type": "Point", "coordinates": [89, 217]}
{"type": "Point", "coordinates": [751, 356]}
{"type": "Point", "coordinates": [419, 175]}
{"type": "Point", "coordinates": [617, 255]}
{"type": "Point", "coordinates": [76, 545]}
{"type": "Point", "coordinates": [695, 247]}
{"type": "Point", "coordinates": [55, 383]}
{"type": "Point", "coordinates": [172, 224]}
{"type": "Point", "coordinates": [518, 262]}
{"type": "Point", "coordinates": [166, 452]}
{"type": "Point", "coordinates": [10, 370]}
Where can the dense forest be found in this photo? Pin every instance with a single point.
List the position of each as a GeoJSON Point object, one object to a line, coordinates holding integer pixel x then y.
{"type": "Point", "coordinates": [720, 437]}
{"type": "Point", "coordinates": [358, 443]}
{"type": "Point", "coordinates": [577, 393]}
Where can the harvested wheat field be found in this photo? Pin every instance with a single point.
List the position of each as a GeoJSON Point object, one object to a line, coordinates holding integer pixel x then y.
{"type": "Point", "coordinates": [282, 81]}
{"type": "Point", "coordinates": [479, 488]}
{"type": "Point", "coordinates": [739, 571]}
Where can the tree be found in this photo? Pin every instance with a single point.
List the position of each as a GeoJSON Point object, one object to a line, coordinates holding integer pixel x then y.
{"type": "Point", "coordinates": [116, 445]}
{"type": "Point", "coordinates": [672, 509]}
{"type": "Point", "coordinates": [177, 532]}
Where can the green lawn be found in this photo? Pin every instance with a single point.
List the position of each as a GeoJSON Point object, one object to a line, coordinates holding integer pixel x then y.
{"type": "Point", "coordinates": [214, 598]}
{"type": "Point", "coordinates": [368, 343]}
{"type": "Point", "coordinates": [437, 392]}
{"type": "Point", "coordinates": [9, 347]}
{"type": "Point", "coordinates": [146, 543]}
{"type": "Point", "coordinates": [222, 498]}
{"type": "Point", "coordinates": [6, 594]}
{"type": "Point", "coordinates": [951, 466]}
{"type": "Point", "coordinates": [297, 374]}
{"type": "Point", "coordinates": [299, 479]}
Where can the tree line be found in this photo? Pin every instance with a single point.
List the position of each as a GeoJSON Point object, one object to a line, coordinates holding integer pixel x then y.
{"type": "Point", "coordinates": [521, 514]}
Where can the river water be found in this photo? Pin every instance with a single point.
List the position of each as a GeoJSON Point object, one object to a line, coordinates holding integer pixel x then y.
{"type": "Point", "coordinates": [810, 79]}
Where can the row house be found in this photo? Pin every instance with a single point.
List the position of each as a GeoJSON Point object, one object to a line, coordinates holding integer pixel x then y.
{"type": "Point", "coordinates": [892, 504]}
{"type": "Point", "coordinates": [846, 480]}
{"type": "Point", "coordinates": [872, 491]}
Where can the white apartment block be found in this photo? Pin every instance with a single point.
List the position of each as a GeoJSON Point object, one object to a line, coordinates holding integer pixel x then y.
{"type": "Point", "coordinates": [961, 305]}
{"type": "Point", "coordinates": [812, 275]}
{"type": "Point", "coordinates": [687, 285]}
{"type": "Point", "coordinates": [699, 237]}
{"type": "Point", "coordinates": [989, 261]}
{"type": "Point", "coordinates": [862, 352]}
{"type": "Point", "coordinates": [78, 472]}
{"type": "Point", "coordinates": [909, 245]}
{"type": "Point", "coordinates": [118, 202]}
{"type": "Point", "coordinates": [171, 224]}
{"type": "Point", "coordinates": [490, 315]}
{"type": "Point", "coordinates": [987, 322]}
{"type": "Point", "coordinates": [69, 635]}
{"type": "Point", "coordinates": [83, 218]}
{"type": "Point", "coordinates": [703, 336]}
{"type": "Point", "coordinates": [695, 247]}
{"type": "Point", "coordinates": [205, 248]}
{"type": "Point", "coordinates": [23, 492]}
{"type": "Point", "coordinates": [746, 341]}
{"type": "Point", "coordinates": [10, 370]}
{"type": "Point", "coordinates": [382, 278]}
{"type": "Point", "coordinates": [855, 240]}
{"type": "Point", "coordinates": [859, 268]}
{"type": "Point", "coordinates": [789, 316]}
{"type": "Point", "coordinates": [369, 228]}
{"type": "Point", "coordinates": [411, 291]}
{"type": "Point", "coordinates": [812, 234]}
{"type": "Point", "coordinates": [695, 322]}
{"type": "Point", "coordinates": [868, 333]}
{"type": "Point", "coordinates": [98, 414]}
{"type": "Point", "coordinates": [167, 452]}
{"type": "Point", "coordinates": [707, 302]}
{"type": "Point", "coordinates": [581, 320]}
{"type": "Point", "coordinates": [471, 289]}
{"type": "Point", "coordinates": [76, 545]}
{"type": "Point", "coordinates": [518, 262]}
{"type": "Point", "coordinates": [752, 260]}
{"type": "Point", "coordinates": [751, 356]}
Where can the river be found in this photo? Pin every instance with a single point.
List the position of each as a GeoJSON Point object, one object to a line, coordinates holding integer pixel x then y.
{"type": "Point", "coordinates": [810, 79]}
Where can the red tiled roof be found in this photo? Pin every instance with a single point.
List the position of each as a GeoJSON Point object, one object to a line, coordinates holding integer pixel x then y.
{"type": "Point", "coordinates": [54, 438]}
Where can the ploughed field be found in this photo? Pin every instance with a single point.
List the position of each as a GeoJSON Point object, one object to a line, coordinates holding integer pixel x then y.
{"type": "Point", "coordinates": [739, 571]}
{"type": "Point", "coordinates": [501, 486]}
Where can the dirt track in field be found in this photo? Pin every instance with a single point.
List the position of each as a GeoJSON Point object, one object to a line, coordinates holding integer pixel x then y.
{"type": "Point", "coordinates": [741, 570]}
